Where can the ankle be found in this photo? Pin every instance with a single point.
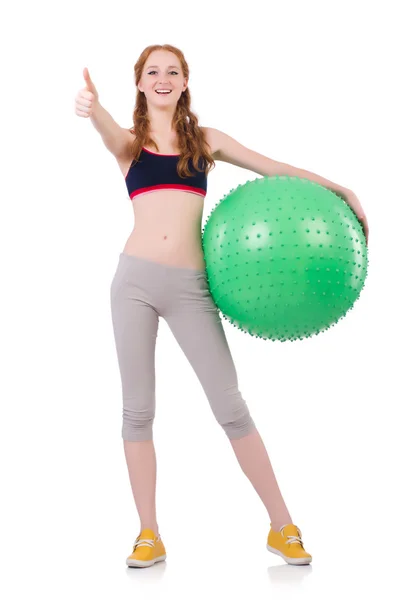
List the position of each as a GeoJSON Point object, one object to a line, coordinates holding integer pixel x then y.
{"type": "Point", "coordinates": [154, 528]}
{"type": "Point", "coordinates": [276, 526]}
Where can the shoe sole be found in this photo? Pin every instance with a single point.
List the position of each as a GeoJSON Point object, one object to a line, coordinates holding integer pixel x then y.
{"type": "Point", "coordinates": [290, 561]}
{"type": "Point", "coordinates": [133, 562]}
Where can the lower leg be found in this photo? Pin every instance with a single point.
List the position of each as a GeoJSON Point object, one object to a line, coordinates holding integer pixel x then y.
{"type": "Point", "coordinates": [142, 470]}
{"type": "Point", "coordinates": [255, 463]}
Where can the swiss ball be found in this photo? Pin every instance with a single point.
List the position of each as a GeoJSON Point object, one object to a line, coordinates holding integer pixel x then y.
{"type": "Point", "coordinates": [285, 257]}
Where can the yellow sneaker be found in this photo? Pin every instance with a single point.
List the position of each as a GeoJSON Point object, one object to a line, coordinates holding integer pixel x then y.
{"type": "Point", "coordinates": [287, 543]}
{"type": "Point", "coordinates": [148, 549]}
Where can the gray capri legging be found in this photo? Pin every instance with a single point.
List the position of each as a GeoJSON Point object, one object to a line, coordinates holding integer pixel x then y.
{"type": "Point", "coordinates": [143, 290]}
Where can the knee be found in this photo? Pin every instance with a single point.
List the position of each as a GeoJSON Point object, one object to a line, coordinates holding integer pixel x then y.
{"type": "Point", "coordinates": [233, 415]}
{"type": "Point", "coordinates": [239, 427]}
{"type": "Point", "coordinates": [137, 424]}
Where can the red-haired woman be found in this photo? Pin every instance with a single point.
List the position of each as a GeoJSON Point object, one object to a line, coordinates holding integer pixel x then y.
{"type": "Point", "coordinates": [165, 160]}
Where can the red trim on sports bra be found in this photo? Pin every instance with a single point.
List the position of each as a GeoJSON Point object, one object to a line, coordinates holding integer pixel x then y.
{"type": "Point", "coordinates": [168, 186]}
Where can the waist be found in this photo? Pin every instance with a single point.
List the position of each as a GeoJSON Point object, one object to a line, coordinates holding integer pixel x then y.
{"type": "Point", "coordinates": [166, 248]}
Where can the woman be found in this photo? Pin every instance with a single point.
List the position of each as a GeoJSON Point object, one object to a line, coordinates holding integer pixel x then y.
{"type": "Point", "coordinates": [165, 161]}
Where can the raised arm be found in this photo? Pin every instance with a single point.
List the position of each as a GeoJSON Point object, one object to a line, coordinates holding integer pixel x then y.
{"type": "Point", "coordinates": [116, 139]}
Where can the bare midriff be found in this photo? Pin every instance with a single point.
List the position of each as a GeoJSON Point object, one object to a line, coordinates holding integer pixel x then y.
{"type": "Point", "coordinates": [167, 228]}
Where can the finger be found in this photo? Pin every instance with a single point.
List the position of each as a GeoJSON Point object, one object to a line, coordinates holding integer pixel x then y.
{"type": "Point", "coordinates": [83, 101]}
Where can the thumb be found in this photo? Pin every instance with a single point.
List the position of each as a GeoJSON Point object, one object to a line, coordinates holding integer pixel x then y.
{"type": "Point", "coordinates": [88, 81]}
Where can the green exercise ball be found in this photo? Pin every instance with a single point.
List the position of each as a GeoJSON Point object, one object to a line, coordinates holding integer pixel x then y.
{"type": "Point", "coordinates": [285, 257]}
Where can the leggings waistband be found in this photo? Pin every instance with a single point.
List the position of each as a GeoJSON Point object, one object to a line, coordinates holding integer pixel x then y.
{"type": "Point", "coordinates": [161, 266]}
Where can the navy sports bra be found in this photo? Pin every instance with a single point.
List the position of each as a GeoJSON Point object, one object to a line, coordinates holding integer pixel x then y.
{"type": "Point", "coordinates": [156, 171]}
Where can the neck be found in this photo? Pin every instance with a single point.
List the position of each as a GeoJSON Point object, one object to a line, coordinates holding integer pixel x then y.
{"type": "Point", "coordinates": [161, 122]}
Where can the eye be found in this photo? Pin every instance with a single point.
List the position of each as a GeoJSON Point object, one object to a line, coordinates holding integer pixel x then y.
{"type": "Point", "coordinates": [150, 72]}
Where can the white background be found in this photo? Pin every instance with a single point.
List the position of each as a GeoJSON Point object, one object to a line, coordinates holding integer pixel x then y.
{"type": "Point", "coordinates": [307, 83]}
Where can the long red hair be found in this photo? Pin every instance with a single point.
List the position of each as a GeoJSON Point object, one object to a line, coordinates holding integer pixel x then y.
{"type": "Point", "coordinates": [191, 139]}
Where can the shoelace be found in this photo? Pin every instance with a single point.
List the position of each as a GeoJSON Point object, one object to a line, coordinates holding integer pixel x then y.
{"type": "Point", "coordinates": [144, 542]}
{"type": "Point", "coordinates": [293, 539]}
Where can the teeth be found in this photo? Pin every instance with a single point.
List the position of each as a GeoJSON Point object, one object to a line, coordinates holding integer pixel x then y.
{"type": "Point", "coordinates": [163, 91]}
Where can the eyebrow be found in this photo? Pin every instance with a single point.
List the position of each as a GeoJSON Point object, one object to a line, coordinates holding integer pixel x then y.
{"type": "Point", "coordinates": [156, 66]}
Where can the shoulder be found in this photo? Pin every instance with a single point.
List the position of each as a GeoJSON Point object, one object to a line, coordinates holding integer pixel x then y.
{"type": "Point", "coordinates": [212, 137]}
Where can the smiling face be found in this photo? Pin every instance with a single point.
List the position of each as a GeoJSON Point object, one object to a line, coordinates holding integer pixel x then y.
{"type": "Point", "coordinates": [162, 71]}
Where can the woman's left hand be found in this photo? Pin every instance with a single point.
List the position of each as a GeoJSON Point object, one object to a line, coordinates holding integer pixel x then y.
{"type": "Point", "coordinates": [354, 203]}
